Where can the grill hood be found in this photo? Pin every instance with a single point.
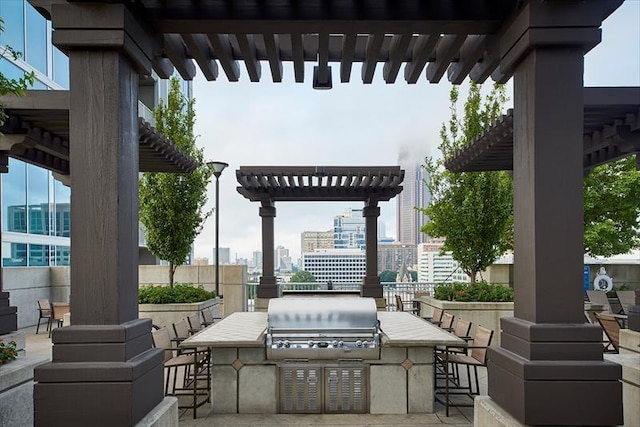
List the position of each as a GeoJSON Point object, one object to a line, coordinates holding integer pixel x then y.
{"type": "Point", "coordinates": [333, 313]}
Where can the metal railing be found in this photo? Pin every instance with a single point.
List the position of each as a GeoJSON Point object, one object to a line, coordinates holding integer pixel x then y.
{"type": "Point", "coordinates": [406, 291]}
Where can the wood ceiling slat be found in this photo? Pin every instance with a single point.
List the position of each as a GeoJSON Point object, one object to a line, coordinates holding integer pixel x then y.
{"type": "Point", "coordinates": [298, 57]}
{"type": "Point", "coordinates": [470, 53]}
{"type": "Point", "coordinates": [346, 62]}
{"type": "Point", "coordinates": [163, 67]}
{"type": "Point", "coordinates": [422, 50]}
{"type": "Point", "coordinates": [200, 49]}
{"type": "Point", "coordinates": [397, 52]}
{"type": "Point", "coordinates": [175, 49]}
{"type": "Point", "coordinates": [374, 43]}
{"type": "Point", "coordinates": [272, 45]}
{"type": "Point", "coordinates": [323, 58]}
{"type": "Point", "coordinates": [248, 48]}
{"type": "Point", "coordinates": [222, 49]}
{"type": "Point", "coordinates": [446, 50]}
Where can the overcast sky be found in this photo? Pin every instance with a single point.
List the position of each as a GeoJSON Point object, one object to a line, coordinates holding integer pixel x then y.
{"type": "Point", "coordinates": [288, 123]}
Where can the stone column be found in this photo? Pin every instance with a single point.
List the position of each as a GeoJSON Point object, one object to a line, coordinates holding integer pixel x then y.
{"type": "Point", "coordinates": [268, 287]}
{"type": "Point", "coordinates": [549, 368]}
{"type": "Point", "coordinates": [8, 314]}
{"type": "Point", "coordinates": [104, 370]}
{"type": "Point", "coordinates": [371, 286]}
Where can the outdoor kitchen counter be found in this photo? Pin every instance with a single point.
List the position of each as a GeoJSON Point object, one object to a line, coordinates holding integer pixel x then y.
{"type": "Point", "coordinates": [401, 329]}
{"type": "Point", "coordinates": [241, 329]}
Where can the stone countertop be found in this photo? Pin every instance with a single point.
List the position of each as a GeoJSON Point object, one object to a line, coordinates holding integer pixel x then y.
{"type": "Point", "coordinates": [241, 329]}
{"type": "Point", "coordinates": [245, 329]}
{"type": "Point", "coordinates": [401, 329]}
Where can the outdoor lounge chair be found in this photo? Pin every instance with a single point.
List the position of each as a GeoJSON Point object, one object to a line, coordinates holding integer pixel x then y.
{"type": "Point", "coordinates": [451, 363]}
{"type": "Point", "coordinates": [44, 312]}
{"type": "Point", "coordinates": [400, 306]}
{"type": "Point", "coordinates": [611, 328]}
{"type": "Point", "coordinates": [600, 297]}
{"type": "Point", "coordinates": [627, 299]}
{"type": "Point", "coordinates": [58, 310]}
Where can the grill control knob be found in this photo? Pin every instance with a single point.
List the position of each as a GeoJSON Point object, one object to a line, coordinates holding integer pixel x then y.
{"type": "Point", "coordinates": [334, 343]}
{"type": "Point", "coordinates": [287, 344]}
{"type": "Point", "coordinates": [359, 343]}
{"type": "Point", "coordinates": [365, 343]}
{"type": "Point", "coordinates": [311, 343]}
{"type": "Point", "coordinates": [340, 343]}
{"type": "Point", "coordinates": [279, 343]}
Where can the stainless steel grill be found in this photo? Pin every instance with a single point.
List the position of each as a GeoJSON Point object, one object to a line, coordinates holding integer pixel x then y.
{"type": "Point", "coordinates": [322, 328]}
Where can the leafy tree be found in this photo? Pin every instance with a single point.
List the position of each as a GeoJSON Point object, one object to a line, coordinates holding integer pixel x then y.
{"type": "Point", "coordinates": [302, 276]}
{"type": "Point", "coordinates": [12, 86]}
{"type": "Point", "coordinates": [472, 210]}
{"type": "Point", "coordinates": [612, 208]}
{"type": "Point", "coordinates": [172, 205]}
{"type": "Point", "coordinates": [387, 276]}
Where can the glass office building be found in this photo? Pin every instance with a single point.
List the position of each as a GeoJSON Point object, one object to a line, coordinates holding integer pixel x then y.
{"type": "Point", "coordinates": [35, 206]}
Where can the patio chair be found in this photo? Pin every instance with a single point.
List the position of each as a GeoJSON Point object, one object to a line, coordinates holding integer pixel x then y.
{"type": "Point", "coordinates": [400, 306]}
{"type": "Point", "coordinates": [475, 358]}
{"type": "Point", "coordinates": [436, 317]}
{"type": "Point", "coordinates": [600, 297]}
{"type": "Point", "coordinates": [611, 328]}
{"type": "Point", "coordinates": [194, 323]}
{"type": "Point", "coordinates": [44, 312]}
{"type": "Point", "coordinates": [627, 299]}
{"type": "Point", "coordinates": [58, 310]}
{"type": "Point", "coordinates": [207, 317]}
{"type": "Point", "coordinates": [196, 370]}
{"type": "Point", "coordinates": [446, 322]}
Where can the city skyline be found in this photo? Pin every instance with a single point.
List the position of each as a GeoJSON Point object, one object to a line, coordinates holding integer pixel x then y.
{"type": "Point", "coordinates": [264, 123]}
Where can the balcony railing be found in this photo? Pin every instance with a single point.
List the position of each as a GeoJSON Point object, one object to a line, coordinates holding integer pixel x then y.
{"type": "Point", "coordinates": [406, 291]}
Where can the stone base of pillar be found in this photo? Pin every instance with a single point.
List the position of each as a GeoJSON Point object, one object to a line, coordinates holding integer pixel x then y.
{"type": "Point", "coordinates": [16, 390]}
{"type": "Point", "coordinates": [554, 374]}
{"type": "Point", "coordinates": [165, 414]}
{"type": "Point", "coordinates": [102, 375]}
{"type": "Point", "coordinates": [8, 315]}
{"type": "Point", "coordinates": [487, 413]}
{"type": "Point", "coordinates": [372, 287]}
{"type": "Point", "coordinates": [268, 287]}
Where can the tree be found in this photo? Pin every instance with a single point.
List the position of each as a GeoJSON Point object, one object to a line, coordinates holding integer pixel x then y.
{"type": "Point", "coordinates": [12, 86]}
{"type": "Point", "coordinates": [172, 205]}
{"type": "Point", "coordinates": [471, 210]}
{"type": "Point", "coordinates": [387, 276]}
{"type": "Point", "coordinates": [302, 276]}
{"type": "Point", "coordinates": [612, 208]}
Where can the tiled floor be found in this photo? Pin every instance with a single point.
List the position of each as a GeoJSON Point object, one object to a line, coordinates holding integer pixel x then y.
{"type": "Point", "coordinates": [41, 345]}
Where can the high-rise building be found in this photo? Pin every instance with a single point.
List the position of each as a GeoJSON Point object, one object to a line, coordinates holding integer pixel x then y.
{"type": "Point", "coordinates": [392, 256]}
{"type": "Point", "coordinates": [36, 208]}
{"type": "Point", "coordinates": [282, 259]}
{"type": "Point", "coordinates": [414, 194]}
{"type": "Point", "coordinates": [336, 265]}
{"type": "Point", "coordinates": [349, 230]}
{"type": "Point", "coordinates": [312, 240]}
{"type": "Point", "coordinates": [434, 267]}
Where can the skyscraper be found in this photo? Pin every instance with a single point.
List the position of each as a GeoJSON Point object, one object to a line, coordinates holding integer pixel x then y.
{"type": "Point", "coordinates": [414, 194]}
{"type": "Point", "coordinates": [349, 230]}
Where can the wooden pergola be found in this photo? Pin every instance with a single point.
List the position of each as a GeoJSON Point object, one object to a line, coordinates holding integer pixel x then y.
{"type": "Point", "coordinates": [271, 184]}
{"type": "Point", "coordinates": [549, 368]}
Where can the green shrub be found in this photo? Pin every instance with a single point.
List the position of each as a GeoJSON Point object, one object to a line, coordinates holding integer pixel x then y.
{"type": "Point", "coordinates": [480, 292]}
{"type": "Point", "coordinates": [178, 293]}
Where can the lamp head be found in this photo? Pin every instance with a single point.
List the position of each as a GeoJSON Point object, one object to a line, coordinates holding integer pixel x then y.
{"type": "Point", "coordinates": [217, 167]}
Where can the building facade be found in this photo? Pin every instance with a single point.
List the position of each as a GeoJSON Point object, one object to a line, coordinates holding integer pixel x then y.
{"type": "Point", "coordinates": [346, 266]}
{"type": "Point", "coordinates": [312, 240]}
{"type": "Point", "coordinates": [282, 259]}
{"type": "Point", "coordinates": [434, 267]}
{"type": "Point", "coordinates": [392, 256]}
{"type": "Point", "coordinates": [36, 208]}
{"type": "Point", "coordinates": [349, 230]}
{"type": "Point", "coordinates": [415, 193]}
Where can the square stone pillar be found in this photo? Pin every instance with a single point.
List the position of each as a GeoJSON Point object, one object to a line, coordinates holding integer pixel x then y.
{"type": "Point", "coordinates": [550, 368]}
{"type": "Point", "coordinates": [371, 286]}
{"type": "Point", "coordinates": [268, 287]}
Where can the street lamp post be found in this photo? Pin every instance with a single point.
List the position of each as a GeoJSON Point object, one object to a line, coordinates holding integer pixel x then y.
{"type": "Point", "coordinates": [217, 168]}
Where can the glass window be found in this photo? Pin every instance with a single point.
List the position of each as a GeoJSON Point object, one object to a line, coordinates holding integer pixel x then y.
{"type": "Point", "coordinates": [38, 255]}
{"type": "Point", "coordinates": [12, 13]}
{"type": "Point", "coordinates": [38, 200]}
{"type": "Point", "coordinates": [60, 68]}
{"type": "Point", "coordinates": [63, 209]}
{"type": "Point", "coordinates": [14, 197]}
{"type": "Point", "coordinates": [14, 254]}
{"type": "Point", "coordinates": [36, 46]}
{"type": "Point", "coordinates": [10, 70]}
{"type": "Point", "coordinates": [63, 255]}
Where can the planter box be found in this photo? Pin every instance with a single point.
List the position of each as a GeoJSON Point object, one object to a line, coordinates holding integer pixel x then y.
{"type": "Point", "coordinates": [487, 314]}
{"type": "Point", "coordinates": [166, 314]}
